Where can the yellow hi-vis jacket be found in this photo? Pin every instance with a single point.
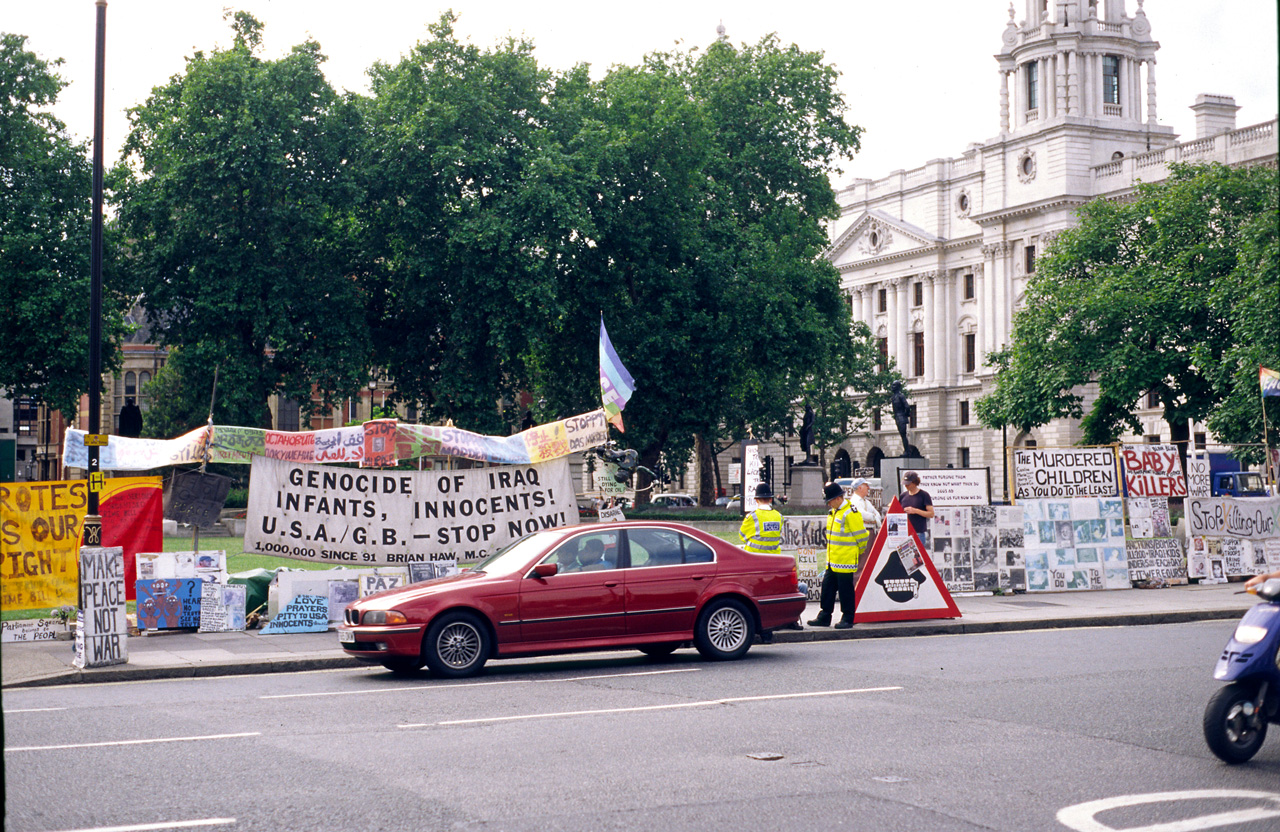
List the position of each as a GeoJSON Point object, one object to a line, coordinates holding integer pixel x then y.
{"type": "Point", "coordinates": [761, 532]}
{"type": "Point", "coordinates": [847, 538]}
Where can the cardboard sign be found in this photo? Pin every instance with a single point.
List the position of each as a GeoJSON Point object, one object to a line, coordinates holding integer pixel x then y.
{"type": "Point", "coordinates": [1065, 472]}
{"type": "Point", "coordinates": [369, 584]}
{"type": "Point", "coordinates": [806, 536]}
{"type": "Point", "coordinates": [897, 581]}
{"type": "Point", "coordinates": [612, 515]}
{"type": "Point", "coordinates": [304, 614]}
{"type": "Point", "coordinates": [27, 631]}
{"type": "Point", "coordinates": [957, 486]}
{"type": "Point", "coordinates": [196, 498]}
{"type": "Point", "coordinates": [1255, 518]}
{"type": "Point", "coordinates": [102, 637]}
{"type": "Point", "coordinates": [169, 604]}
{"type": "Point", "coordinates": [1157, 559]}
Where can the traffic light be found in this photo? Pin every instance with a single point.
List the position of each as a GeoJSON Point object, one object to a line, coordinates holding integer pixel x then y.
{"type": "Point", "coordinates": [766, 471]}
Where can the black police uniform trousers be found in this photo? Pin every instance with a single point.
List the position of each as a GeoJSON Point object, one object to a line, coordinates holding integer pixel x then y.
{"type": "Point", "coordinates": [843, 584]}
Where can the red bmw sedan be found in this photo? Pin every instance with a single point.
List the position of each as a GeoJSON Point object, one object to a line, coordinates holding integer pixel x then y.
{"type": "Point", "coordinates": [649, 586]}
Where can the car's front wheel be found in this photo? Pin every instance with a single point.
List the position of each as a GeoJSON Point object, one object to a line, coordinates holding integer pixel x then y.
{"type": "Point", "coordinates": [724, 630]}
{"type": "Point", "coordinates": [457, 645]}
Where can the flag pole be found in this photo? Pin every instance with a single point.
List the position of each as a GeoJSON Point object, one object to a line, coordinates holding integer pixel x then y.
{"type": "Point", "coordinates": [1266, 438]}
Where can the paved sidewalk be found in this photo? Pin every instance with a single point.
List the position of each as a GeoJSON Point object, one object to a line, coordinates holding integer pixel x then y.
{"type": "Point", "coordinates": [185, 654]}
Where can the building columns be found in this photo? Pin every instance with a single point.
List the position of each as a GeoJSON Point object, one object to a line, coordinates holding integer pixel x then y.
{"type": "Point", "coordinates": [1151, 91]}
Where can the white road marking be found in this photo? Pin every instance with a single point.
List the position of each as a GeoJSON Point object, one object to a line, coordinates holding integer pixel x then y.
{"type": "Point", "coordinates": [481, 684]}
{"type": "Point", "coordinates": [1081, 816]}
{"type": "Point", "coordinates": [702, 704]}
{"type": "Point", "coordinates": [177, 824]}
{"type": "Point", "coordinates": [32, 710]}
{"type": "Point", "coordinates": [132, 742]}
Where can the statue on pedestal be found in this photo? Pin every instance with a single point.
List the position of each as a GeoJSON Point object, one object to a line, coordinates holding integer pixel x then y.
{"type": "Point", "coordinates": [806, 436]}
{"type": "Point", "coordinates": [901, 415]}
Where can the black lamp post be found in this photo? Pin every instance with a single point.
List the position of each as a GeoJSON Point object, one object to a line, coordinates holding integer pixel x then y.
{"type": "Point", "coordinates": [93, 522]}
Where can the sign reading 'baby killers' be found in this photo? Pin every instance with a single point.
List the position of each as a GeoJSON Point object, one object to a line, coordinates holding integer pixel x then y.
{"type": "Point", "coordinates": [1153, 471]}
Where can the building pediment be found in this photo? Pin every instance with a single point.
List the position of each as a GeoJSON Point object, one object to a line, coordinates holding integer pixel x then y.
{"type": "Point", "coordinates": [876, 234]}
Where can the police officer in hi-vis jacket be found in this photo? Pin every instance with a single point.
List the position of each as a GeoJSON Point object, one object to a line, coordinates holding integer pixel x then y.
{"type": "Point", "coordinates": [847, 539]}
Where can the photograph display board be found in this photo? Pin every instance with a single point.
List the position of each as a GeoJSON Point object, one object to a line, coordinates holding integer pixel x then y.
{"type": "Point", "coordinates": [957, 486]}
{"type": "Point", "coordinates": [394, 518]}
{"type": "Point", "coordinates": [979, 548]}
{"type": "Point", "coordinates": [1064, 472]}
{"type": "Point", "coordinates": [898, 582]}
{"type": "Point", "coordinates": [1074, 544]}
{"type": "Point", "coordinates": [221, 607]}
{"type": "Point", "coordinates": [1214, 559]}
{"type": "Point", "coordinates": [102, 634]}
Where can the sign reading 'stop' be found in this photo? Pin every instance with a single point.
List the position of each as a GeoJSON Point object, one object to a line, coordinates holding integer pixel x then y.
{"type": "Point", "coordinates": [345, 515]}
{"type": "Point", "coordinates": [1065, 472]}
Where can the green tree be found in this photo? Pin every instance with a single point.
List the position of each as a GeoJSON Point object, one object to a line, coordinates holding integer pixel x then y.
{"type": "Point", "coordinates": [703, 246]}
{"type": "Point", "coordinates": [1172, 292]}
{"type": "Point", "coordinates": [472, 196]}
{"type": "Point", "coordinates": [236, 196]}
{"type": "Point", "coordinates": [45, 216]}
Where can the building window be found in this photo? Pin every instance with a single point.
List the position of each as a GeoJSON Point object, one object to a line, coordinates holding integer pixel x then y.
{"type": "Point", "coordinates": [971, 352]}
{"type": "Point", "coordinates": [24, 416]}
{"type": "Point", "coordinates": [1153, 439]}
{"type": "Point", "coordinates": [1200, 440]}
{"type": "Point", "coordinates": [287, 415]}
{"type": "Point", "coordinates": [1033, 85]}
{"type": "Point", "coordinates": [1153, 400]}
{"type": "Point", "coordinates": [917, 353]}
{"type": "Point", "coordinates": [964, 457]}
{"type": "Point", "coordinates": [917, 294]}
{"type": "Point", "coordinates": [1030, 443]}
{"type": "Point", "coordinates": [1110, 79]}
{"type": "Point", "coordinates": [130, 384]}
{"type": "Point", "coordinates": [970, 287]}
{"type": "Point", "coordinates": [882, 346]}
{"type": "Point", "coordinates": [1030, 252]}
{"type": "Point", "coordinates": [882, 300]}
{"type": "Point", "coordinates": [964, 412]}
{"type": "Point", "coordinates": [911, 422]}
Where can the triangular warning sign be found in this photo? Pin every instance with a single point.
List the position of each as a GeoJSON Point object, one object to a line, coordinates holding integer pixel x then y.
{"type": "Point", "coordinates": [897, 581]}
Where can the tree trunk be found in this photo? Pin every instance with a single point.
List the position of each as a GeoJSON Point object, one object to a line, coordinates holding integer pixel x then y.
{"type": "Point", "coordinates": [707, 470]}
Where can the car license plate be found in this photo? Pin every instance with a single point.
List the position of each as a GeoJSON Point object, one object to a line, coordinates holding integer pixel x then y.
{"type": "Point", "coordinates": [347, 636]}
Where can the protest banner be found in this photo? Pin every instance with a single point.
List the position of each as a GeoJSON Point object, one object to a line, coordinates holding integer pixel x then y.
{"type": "Point", "coordinates": [1252, 518]}
{"type": "Point", "coordinates": [40, 525]}
{"type": "Point", "coordinates": [957, 486]}
{"type": "Point", "coordinates": [1065, 472]}
{"type": "Point", "coordinates": [169, 603]}
{"type": "Point", "coordinates": [980, 548]}
{"type": "Point", "coordinates": [102, 633]}
{"type": "Point", "coordinates": [1198, 475]}
{"type": "Point", "coordinates": [30, 630]}
{"type": "Point", "coordinates": [221, 607]}
{"type": "Point", "coordinates": [320, 514]}
{"type": "Point", "coordinates": [1152, 471]}
{"type": "Point", "coordinates": [1073, 544]}
{"type": "Point", "coordinates": [1157, 559]}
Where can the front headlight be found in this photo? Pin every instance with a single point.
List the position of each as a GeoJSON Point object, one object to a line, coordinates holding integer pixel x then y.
{"type": "Point", "coordinates": [1250, 633]}
{"type": "Point", "coordinates": [382, 617]}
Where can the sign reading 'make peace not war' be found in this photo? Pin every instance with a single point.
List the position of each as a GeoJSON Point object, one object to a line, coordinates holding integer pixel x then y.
{"type": "Point", "coordinates": [343, 515]}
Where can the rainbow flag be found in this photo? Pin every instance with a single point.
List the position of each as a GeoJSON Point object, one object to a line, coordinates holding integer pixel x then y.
{"type": "Point", "coordinates": [1269, 379]}
{"type": "Point", "coordinates": [616, 384]}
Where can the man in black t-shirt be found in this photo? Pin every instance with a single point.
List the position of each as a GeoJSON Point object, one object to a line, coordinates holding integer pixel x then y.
{"type": "Point", "coordinates": [918, 505]}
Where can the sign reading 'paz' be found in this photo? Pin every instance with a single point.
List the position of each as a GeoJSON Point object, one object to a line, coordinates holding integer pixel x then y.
{"type": "Point", "coordinates": [897, 581]}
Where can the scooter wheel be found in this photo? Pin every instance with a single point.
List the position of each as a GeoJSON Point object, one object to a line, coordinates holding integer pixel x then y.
{"type": "Point", "coordinates": [1228, 727]}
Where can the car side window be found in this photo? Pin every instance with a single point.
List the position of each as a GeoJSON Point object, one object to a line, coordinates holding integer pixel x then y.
{"type": "Point", "coordinates": [654, 547]}
{"type": "Point", "coordinates": [586, 553]}
{"type": "Point", "coordinates": [695, 551]}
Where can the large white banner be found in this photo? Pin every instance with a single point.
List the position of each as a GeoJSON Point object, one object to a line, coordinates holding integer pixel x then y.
{"type": "Point", "coordinates": [1065, 472]}
{"type": "Point", "coordinates": [349, 516]}
{"type": "Point", "coordinates": [957, 486]}
{"type": "Point", "coordinates": [1251, 518]}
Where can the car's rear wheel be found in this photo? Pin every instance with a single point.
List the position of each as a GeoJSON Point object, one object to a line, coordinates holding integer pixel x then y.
{"type": "Point", "coordinates": [402, 666]}
{"type": "Point", "coordinates": [457, 645]}
{"type": "Point", "coordinates": [724, 630]}
{"type": "Point", "coordinates": [658, 651]}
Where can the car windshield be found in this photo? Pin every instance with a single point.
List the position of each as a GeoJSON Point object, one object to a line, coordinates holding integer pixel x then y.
{"type": "Point", "coordinates": [513, 558]}
{"type": "Point", "coordinates": [1251, 482]}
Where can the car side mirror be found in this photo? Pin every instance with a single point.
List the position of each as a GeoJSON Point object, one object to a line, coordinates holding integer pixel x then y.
{"type": "Point", "coordinates": [545, 570]}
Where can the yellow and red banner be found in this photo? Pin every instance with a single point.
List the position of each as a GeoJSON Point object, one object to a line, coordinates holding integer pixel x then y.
{"type": "Point", "coordinates": [40, 529]}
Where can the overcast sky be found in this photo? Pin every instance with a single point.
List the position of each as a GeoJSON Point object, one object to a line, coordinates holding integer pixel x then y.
{"type": "Point", "coordinates": [918, 74]}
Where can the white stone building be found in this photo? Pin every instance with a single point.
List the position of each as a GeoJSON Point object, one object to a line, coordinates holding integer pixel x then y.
{"type": "Point", "coordinates": [935, 259]}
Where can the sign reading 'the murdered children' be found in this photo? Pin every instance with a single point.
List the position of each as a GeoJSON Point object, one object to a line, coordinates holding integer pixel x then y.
{"type": "Point", "coordinates": [1065, 472]}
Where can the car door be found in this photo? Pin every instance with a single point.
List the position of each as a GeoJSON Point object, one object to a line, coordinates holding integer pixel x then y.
{"type": "Point", "coordinates": [578, 602]}
{"type": "Point", "coordinates": [667, 575]}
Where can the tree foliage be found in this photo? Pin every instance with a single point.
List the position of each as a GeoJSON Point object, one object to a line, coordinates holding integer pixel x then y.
{"type": "Point", "coordinates": [235, 196]}
{"type": "Point", "coordinates": [45, 218]}
{"type": "Point", "coordinates": [1172, 292]}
